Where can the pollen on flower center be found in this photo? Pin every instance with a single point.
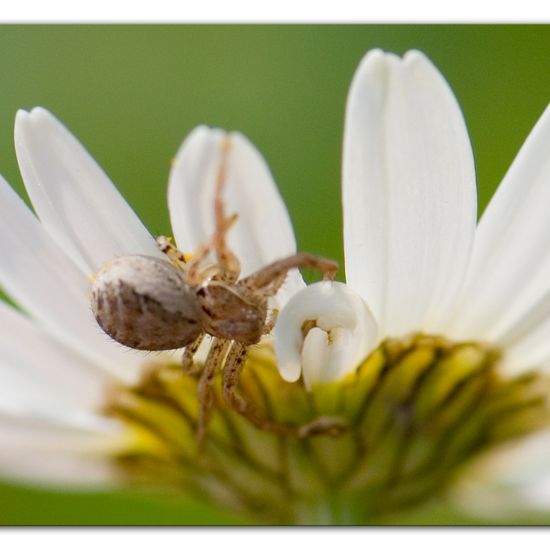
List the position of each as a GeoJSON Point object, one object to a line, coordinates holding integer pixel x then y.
{"type": "Point", "coordinates": [395, 430]}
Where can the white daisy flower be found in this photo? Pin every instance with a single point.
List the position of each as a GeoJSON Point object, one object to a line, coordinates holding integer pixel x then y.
{"type": "Point", "coordinates": [415, 256]}
{"type": "Point", "coordinates": [431, 355]}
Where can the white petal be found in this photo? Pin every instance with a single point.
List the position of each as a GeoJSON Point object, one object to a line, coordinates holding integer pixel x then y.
{"type": "Point", "coordinates": [344, 333]}
{"type": "Point", "coordinates": [526, 341]}
{"type": "Point", "coordinates": [44, 282]}
{"type": "Point", "coordinates": [23, 395]}
{"type": "Point", "coordinates": [529, 353]}
{"type": "Point", "coordinates": [263, 231]}
{"type": "Point", "coordinates": [43, 371]}
{"type": "Point", "coordinates": [506, 292]}
{"type": "Point", "coordinates": [510, 479]}
{"type": "Point", "coordinates": [54, 469]}
{"type": "Point", "coordinates": [73, 197]}
{"type": "Point", "coordinates": [408, 192]}
{"type": "Point", "coordinates": [50, 454]}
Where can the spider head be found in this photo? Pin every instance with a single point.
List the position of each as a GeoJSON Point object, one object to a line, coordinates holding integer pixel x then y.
{"type": "Point", "coordinates": [229, 312]}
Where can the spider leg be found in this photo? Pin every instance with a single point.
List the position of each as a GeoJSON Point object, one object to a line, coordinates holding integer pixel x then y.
{"type": "Point", "coordinates": [192, 266]}
{"type": "Point", "coordinates": [234, 363]}
{"type": "Point", "coordinates": [228, 262]}
{"type": "Point", "coordinates": [212, 365]}
{"type": "Point", "coordinates": [274, 285]}
{"type": "Point", "coordinates": [168, 247]}
{"type": "Point", "coordinates": [232, 369]}
{"type": "Point", "coordinates": [271, 320]}
{"type": "Point", "coordinates": [195, 274]}
{"type": "Point", "coordinates": [189, 354]}
{"type": "Point", "coordinates": [270, 278]}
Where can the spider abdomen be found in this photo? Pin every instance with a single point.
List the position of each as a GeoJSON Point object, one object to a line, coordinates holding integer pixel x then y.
{"type": "Point", "coordinates": [143, 303]}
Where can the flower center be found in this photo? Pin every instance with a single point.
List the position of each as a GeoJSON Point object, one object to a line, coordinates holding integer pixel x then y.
{"type": "Point", "coordinates": [388, 436]}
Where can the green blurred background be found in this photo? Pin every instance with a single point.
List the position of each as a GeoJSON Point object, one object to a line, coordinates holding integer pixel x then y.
{"type": "Point", "coordinates": [131, 94]}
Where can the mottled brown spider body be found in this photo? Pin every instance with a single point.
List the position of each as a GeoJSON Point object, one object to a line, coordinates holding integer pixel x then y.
{"type": "Point", "coordinates": [144, 303]}
{"type": "Point", "coordinates": [152, 304]}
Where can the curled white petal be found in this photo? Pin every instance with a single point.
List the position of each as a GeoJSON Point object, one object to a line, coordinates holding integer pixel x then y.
{"type": "Point", "coordinates": [409, 192]}
{"type": "Point", "coordinates": [263, 231]}
{"type": "Point", "coordinates": [343, 334]}
{"type": "Point", "coordinates": [74, 199]}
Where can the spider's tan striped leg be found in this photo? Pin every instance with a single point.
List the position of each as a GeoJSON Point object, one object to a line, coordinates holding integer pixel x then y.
{"type": "Point", "coordinates": [212, 366]}
{"type": "Point", "coordinates": [270, 278]}
{"type": "Point", "coordinates": [195, 273]}
{"type": "Point", "coordinates": [227, 260]}
{"type": "Point", "coordinates": [174, 254]}
{"type": "Point", "coordinates": [271, 320]}
{"type": "Point", "coordinates": [234, 363]}
{"type": "Point", "coordinates": [187, 359]}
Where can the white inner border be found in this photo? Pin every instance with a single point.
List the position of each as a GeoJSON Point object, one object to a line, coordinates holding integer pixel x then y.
{"type": "Point", "coordinates": [273, 539]}
{"type": "Point", "coordinates": [275, 11]}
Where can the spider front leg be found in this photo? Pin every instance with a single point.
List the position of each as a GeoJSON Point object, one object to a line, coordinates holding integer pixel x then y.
{"type": "Point", "coordinates": [228, 262]}
{"type": "Point", "coordinates": [269, 279]}
{"type": "Point", "coordinates": [195, 273]}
